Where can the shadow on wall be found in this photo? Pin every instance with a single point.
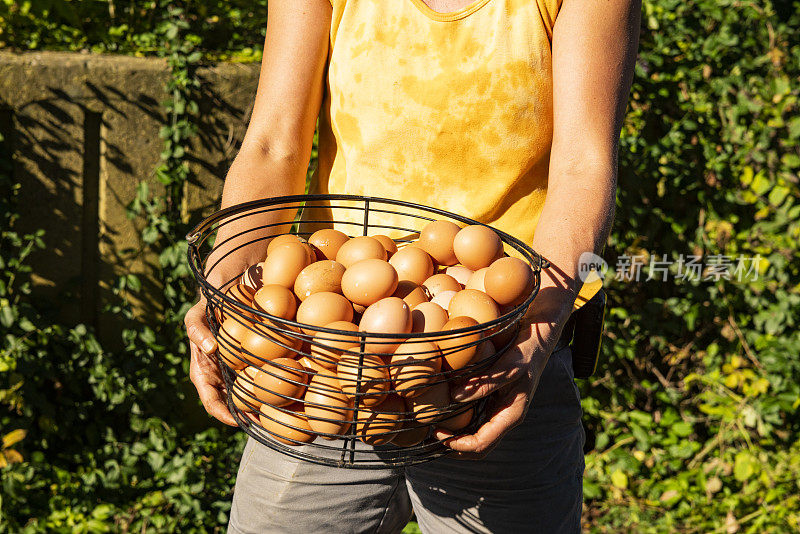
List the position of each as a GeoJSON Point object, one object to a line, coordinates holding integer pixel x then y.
{"type": "Point", "coordinates": [84, 132]}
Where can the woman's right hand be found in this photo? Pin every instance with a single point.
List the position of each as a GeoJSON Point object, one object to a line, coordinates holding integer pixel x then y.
{"type": "Point", "coordinates": [204, 371]}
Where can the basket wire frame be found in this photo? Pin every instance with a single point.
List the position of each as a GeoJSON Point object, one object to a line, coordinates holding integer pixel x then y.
{"type": "Point", "coordinates": [344, 450]}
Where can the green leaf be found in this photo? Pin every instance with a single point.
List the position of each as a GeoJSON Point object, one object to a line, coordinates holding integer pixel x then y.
{"type": "Point", "coordinates": [619, 479]}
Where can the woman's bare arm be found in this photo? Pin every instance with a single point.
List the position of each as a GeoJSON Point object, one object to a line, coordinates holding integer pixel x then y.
{"type": "Point", "coordinates": [272, 161]}
{"type": "Point", "coordinates": [594, 50]}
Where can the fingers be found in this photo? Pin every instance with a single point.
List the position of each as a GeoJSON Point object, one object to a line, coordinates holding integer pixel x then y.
{"type": "Point", "coordinates": [506, 369]}
{"type": "Point", "coordinates": [509, 413]}
{"type": "Point", "coordinates": [206, 378]}
{"type": "Point", "coordinates": [197, 329]}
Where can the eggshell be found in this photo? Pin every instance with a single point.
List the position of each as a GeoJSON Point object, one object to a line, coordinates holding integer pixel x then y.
{"type": "Point", "coordinates": [387, 316]}
{"type": "Point", "coordinates": [476, 280]}
{"type": "Point", "coordinates": [509, 281]}
{"type": "Point", "coordinates": [439, 283]}
{"type": "Point", "coordinates": [388, 244]}
{"type": "Point", "coordinates": [283, 239]}
{"type": "Point", "coordinates": [374, 381]}
{"type": "Point", "coordinates": [428, 317]}
{"type": "Point", "coordinates": [443, 299]}
{"type": "Point", "coordinates": [287, 425]}
{"type": "Point", "coordinates": [413, 365]}
{"type": "Point", "coordinates": [410, 292]}
{"type": "Point", "coordinates": [458, 421]}
{"type": "Point", "coordinates": [475, 304]}
{"type": "Point", "coordinates": [284, 263]}
{"type": "Point", "coordinates": [327, 243]}
{"type": "Point", "coordinates": [360, 248]}
{"type": "Point", "coordinates": [276, 300]}
{"type": "Point", "coordinates": [428, 405]}
{"type": "Point", "coordinates": [484, 351]}
{"type": "Point", "coordinates": [320, 276]}
{"type": "Point", "coordinates": [454, 350]}
{"type": "Point", "coordinates": [280, 378]}
{"type": "Point", "coordinates": [412, 434]}
{"type": "Point", "coordinates": [335, 412]}
{"type": "Point", "coordinates": [437, 240]}
{"type": "Point", "coordinates": [326, 349]}
{"type": "Point", "coordinates": [412, 263]}
{"type": "Point", "coordinates": [265, 341]}
{"type": "Point", "coordinates": [229, 342]}
{"type": "Point", "coordinates": [376, 427]}
{"type": "Point", "coordinates": [460, 273]}
{"type": "Point", "coordinates": [253, 276]}
{"type": "Point", "coordinates": [323, 308]}
{"type": "Point", "coordinates": [477, 246]}
{"type": "Point", "coordinates": [243, 391]}
{"type": "Point", "coordinates": [243, 295]}
{"type": "Point", "coordinates": [368, 281]}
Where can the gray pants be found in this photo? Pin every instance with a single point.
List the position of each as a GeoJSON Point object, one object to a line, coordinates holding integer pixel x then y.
{"type": "Point", "coordinates": [532, 482]}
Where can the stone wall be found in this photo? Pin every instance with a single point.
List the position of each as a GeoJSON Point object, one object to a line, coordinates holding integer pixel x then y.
{"type": "Point", "coordinates": [84, 133]}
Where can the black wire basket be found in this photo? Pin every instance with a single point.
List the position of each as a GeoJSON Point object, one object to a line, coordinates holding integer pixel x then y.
{"type": "Point", "coordinates": [381, 415]}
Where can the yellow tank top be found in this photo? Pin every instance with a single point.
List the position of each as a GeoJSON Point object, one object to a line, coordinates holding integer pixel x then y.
{"type": "Point", "coordinates": [451, 110]}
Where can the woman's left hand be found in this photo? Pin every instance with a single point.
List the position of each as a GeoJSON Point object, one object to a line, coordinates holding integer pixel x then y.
{"type": "Point", "coordinates": [512, 379]}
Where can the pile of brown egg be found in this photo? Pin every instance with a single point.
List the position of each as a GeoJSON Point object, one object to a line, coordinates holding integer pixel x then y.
{"type": "Point", "coordinates": [301, 382]}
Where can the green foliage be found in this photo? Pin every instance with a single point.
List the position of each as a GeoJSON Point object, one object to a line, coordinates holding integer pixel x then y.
{"type": "Point", "coordinates": [233, 28]}
{"type": "Point", "coordinates": [694, 414]}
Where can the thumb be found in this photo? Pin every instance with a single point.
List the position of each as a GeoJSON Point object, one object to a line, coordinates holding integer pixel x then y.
{"type": "Point", "coordinates": [198, 331]}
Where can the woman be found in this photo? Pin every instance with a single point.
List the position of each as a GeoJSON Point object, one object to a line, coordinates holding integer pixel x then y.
{"type": "Point", "coordinates": [506, 111]}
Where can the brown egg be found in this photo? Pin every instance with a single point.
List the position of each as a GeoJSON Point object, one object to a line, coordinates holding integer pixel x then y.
{"type": "Point", "coordinates": [376, 427]}
{"type": "Point", "coordinates": [283, 239]}
{"type": "Point", "coordinates": [243, 295]}
{"type": "Point", "coordinates": [280, 378]}
{"type": "Point", "coordinates": [428, 405]}
{"type": "Point", "coordinates": [458, 421]}
{"type": "Point", "coordinates": [335, 410]}
{"type": "Point", "coordinates": [484, 351]}
{"type": "Point", "coordinates": [388, 244]}
{"type": "Point", "coordinates": [323, 308]}
{"type": "Point", "coordinates": [266, 342]}
{"type": "Point", "coordinates": [229, 342]}
{"type": "Point", "coordinates": [368, 281]}
{"type": "Point", "coordinates": [387, 316]}
{"type": "Point", "coordinates": [327, 243]}
{"type": "Point", "coordinates": [374, 381]}
{"type": "Point", "coordinates": [475, 304]}
{"type": "Point", "coordinates": [509, 281]}
{"type": "Point", "coordinates": [410, 292]}
{"type": "Point", "coordinates": [287, 424]}
{"type": "Point", "coordinates": [477, 246]}
{"type": "Point", "coordinates": [428, 317]}
{"type": "Point", "coordinates": [437, 240]}
{"type": "Point", "coordinates": [454, 349]}
{"type": "Point", "coordinates": [460, 273]}
{"type": "Point", "coordinates": [253, 276]}
{"type": "Point", "coordinates": [243, 391]}
{"type": "Point", "coordinates": [412, 263]}
{"type": "Point", "coordinates": [412, 434]}
{"type": "Point", "coordinates": [439, 283]}
{"type": "Point", "coordinates": [284, 263]}
{"type": "Point", "coordinates": [443, 299]}
{"type": "Point", "coordinates": [310, 364]}
{"type": "Point", "coordinates": [476, 280]}
{"type": "Point", "coordinates": [326, 348]}
{"type": "Point", "coordinates": [276, 300]}
{"type": "Point", "coordinates": [413, 365]}
{"type": "Point", "coordinates": [325, 275]}
{"type": "Point", "coordinates": [360, 248]}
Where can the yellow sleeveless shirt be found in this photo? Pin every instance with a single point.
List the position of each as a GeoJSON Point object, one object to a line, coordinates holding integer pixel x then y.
{"type": "Point", "coordinates": [450, 110]}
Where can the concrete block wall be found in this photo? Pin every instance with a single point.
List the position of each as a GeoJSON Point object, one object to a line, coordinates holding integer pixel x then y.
{"type": "Point", "coordinates": [83, 130]}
